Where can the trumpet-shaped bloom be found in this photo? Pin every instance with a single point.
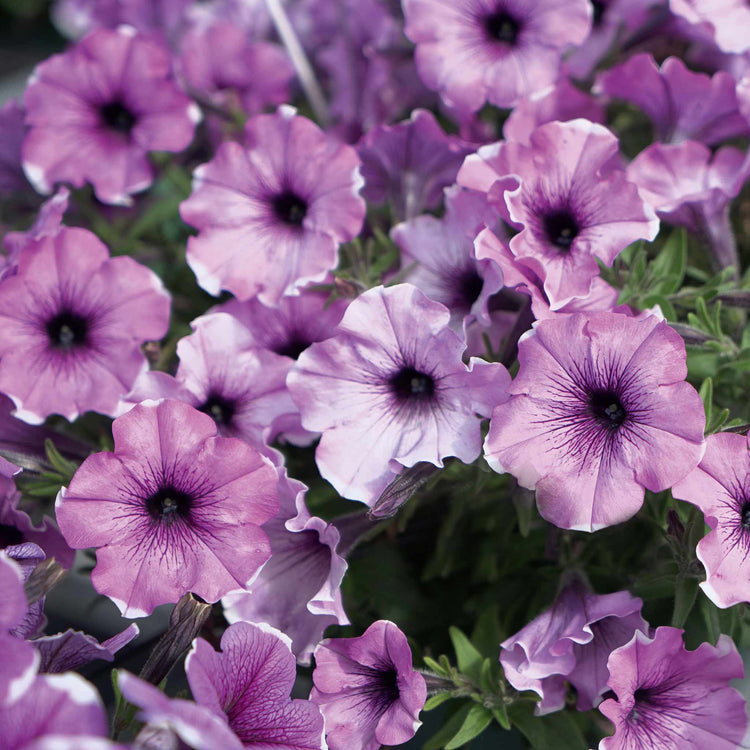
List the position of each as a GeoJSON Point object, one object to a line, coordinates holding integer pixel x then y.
{"type": "Point", "coordinates": [390, 389]}
{"type": "Point", "coordinates": [95, 111]}
{"type": "Point", "coordinates": [669, 698]}
{"type": "Point", "coordinates": [249, 683]}
{"type": "Point", "coordinates": [599, 411]}
{"type": "Point", "coordinates": [72, 321]}
{"type": "Point", "coordinates": [367, 690]}
{"type": "Point", "coordinates": [570, 200]}
{"type": "Point", "coordinates": [174, 509]}
{"type": "Point", "coordinates": [680, 103]}
{"type": "Point", "coordinates": [571, 641]}
{"type": "Point", "coordinates": [720, 487]}
{"type": "Point", "coordinates": [494, 51]}
{"type": "Point", "coordinates": [298, 589]}
{"type": "Point", "coordinates": [272, 215]}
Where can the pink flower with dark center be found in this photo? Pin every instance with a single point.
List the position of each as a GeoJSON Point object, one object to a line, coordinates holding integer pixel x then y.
{"type": "Point", "coordinates": [248, 683]}
{"type": "Point", "coordinates": [669, 698]}
{"type": "Point", "coordinates": [174, 509]}
{"type": "Point", "coordinates": [573, 203]}
{"type": "Point", "coordinates": [494, 51]}
{"type": "Point", "coordinates": [367, 690]}
{"type": "Point", "coordinates": [72, 322]}
{"type": "Point", "coordinates": [720, 487]}
{"type": "Point", "coordinates": [272, 215]}
{"type": "Point", "coordinates": [599, 411]}
{"type": "Point", "coordinates": [95, 111]}
{"type": "Point", "coordinates": [390, 389]}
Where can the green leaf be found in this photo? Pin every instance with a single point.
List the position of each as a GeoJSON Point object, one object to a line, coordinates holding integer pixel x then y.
{"type": "Point", "coordinates": [668, 268]}
{"type": "Point", "coordinates": [685, 591]}
{"type": "Point", "coordinates": [501, 716]}
{"type": "Point", "coordinates": [468, 658]}
{"type": "Point", "coordinates": [435, 667]}
{"type": "Point", "coordinates": [476, 721]}
{"type": "Point", "coordinates": [557, 730]}
{"type": "Point", "coordinates": [706, 393]}
{"type": "Point", "coordinates": [449, 730]}
{"type": "Point", "coordinates": [436, 700]}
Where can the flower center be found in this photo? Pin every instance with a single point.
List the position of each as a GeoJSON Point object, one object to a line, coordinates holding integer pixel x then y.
{"type": "Point", "coordinates": [220, 409]}
{"type": "Point", "coordinates": [67, 330]}
{"type": "Point", "coordinates": [561, 228]}
{"type": "Point", "coordinates": [470, 285]}
{"type": "Point", "coordinates": [289, 208]}
{"type": "Point", "coordinates": [502, 27]}
{"type": "Point", "coordinates": [168, 503]}
{"type": "Point", "coordinates": [745, 515]}
{"type": "Point", "coordinates": [387, 686]}
{"type": "Point", "coordinates": [293, 346]}
{"type": "Point", "coordinates": [116, 116]}
{"type": "Point", "coordinates": [607, 409]}
{"type": "Point", "coordinates": [409, 384]}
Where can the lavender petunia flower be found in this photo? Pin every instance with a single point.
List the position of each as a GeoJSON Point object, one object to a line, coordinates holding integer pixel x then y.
{"type": "Point", "coordinates": [271, 216]}
{"type": "Point", "coordinates": [63, 709]}
{"type": "Point", "coordinates": [562, 102]}
{"type": "Point", "coordinates": [180, 505]}
{"type": "Point", "coordinates": [680, 103]}
{"type": "Point", "coordinates": [599, 411]}
{"type": "Point", "coordinates": [439, 258]}
{"type": "Point", "coordinates": [249, 683]}
{"type": "Point", "coordinates": [298, 589]}
{"type": "Point", "coordinates": [27, 556]}
{"type": "Point", "coordinates": [410, 163]}
{"type": "Point", "coordinates": [195, 725]}
{"type": "Point", "coordinates": [95, 111]}
{"type": "Point", "coordinates": [669, 698]}
{"type": "Point", "coordinates": [20, 661]}
{"type": "Point", "coordinates": [574, 205]}
{"type": "Point", "coordinates": [689, 186]}
{"type": "Point", "coordinates": [492, 50]}
{"type": "Point", "coordinates": [571, 641]}
{"type": "Point", "coordinates": [720, 487]}
{"type": "Point", "coordinates": [727, 21]}
{"type": "Point", "coordinates": [72, 321]}
{"type": "Point", "coordinates": [367, 690]}
{"type": "Point", "coordinates": [222, 373]}
{"type": "Point", "coordinates": [390, 390]}
{"type": "Point", "coordinates": [222, 64]}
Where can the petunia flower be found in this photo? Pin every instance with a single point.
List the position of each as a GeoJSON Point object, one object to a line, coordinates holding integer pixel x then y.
{"type": "Point", "coordinates": [174, 509]}
{"type": "Point", "coordinates": [272, 215]}
{"type": "Point", "coordinates": [298, 590]}
{"type": "Point", "coordinates": [669, 698]}
{"type": "Point", "coordinates": [571, 641]}
{"type": "Point", "coordinates": [720, 487]}
{"type": "Point", "coordinates": [438, 257]}
{"type": "Point", "coordinates": [367, 690]}
{"type": "Point", "coordinates": [680, 103]}
{"type": "Point", "coordinates": [599, 411]}
{"type": "Point", "coordinates": [94, 112]}
{"type": "Point", "coordinates": [726, 21]}
{"type": "Point", "coordinates": [494, 51]}
{"type": "Point", "coordinates": [222, 373]}
{"type": "Point", "coordinates": [61, 710]}
{"type": "Point", "coordinates": [572, 202]}
{"type": "Point", "coordinates": [196, 726]}
{"type": "Point", "coordinates": [390, 389]}
{"type": "Point", "coordinates": [409, 164]}
{"type": "Point", "coordinates": [72, 321]}
{"type": "Point", "coordinates": [249, 683]}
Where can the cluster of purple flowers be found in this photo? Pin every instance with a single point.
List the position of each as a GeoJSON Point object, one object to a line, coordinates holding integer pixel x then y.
{"type": "Point", "coordinates": [402, 290]}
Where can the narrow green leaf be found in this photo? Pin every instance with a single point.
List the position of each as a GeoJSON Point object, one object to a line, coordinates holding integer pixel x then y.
{"type": "Point", "coordinates": [501, 716]}
{"type": "Point", "coordinates": [436, 700]}
{"type": "Point", "coordinates": [685, 591]}
{"type": "Point", "coordinates": [476, 721]}
{"type": "Point", "coordinates": [446, 733]}
{"type": "Point", "coordinates": [435, 667]}
{"type": "Point", "coordinates": [468, 658]}
{"type": "Point", "coordinates": [557, 730]}
{"type": "Point", "coordinates": [706, 393]}
{"type": "Point", "coordinates": [668, 268]}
